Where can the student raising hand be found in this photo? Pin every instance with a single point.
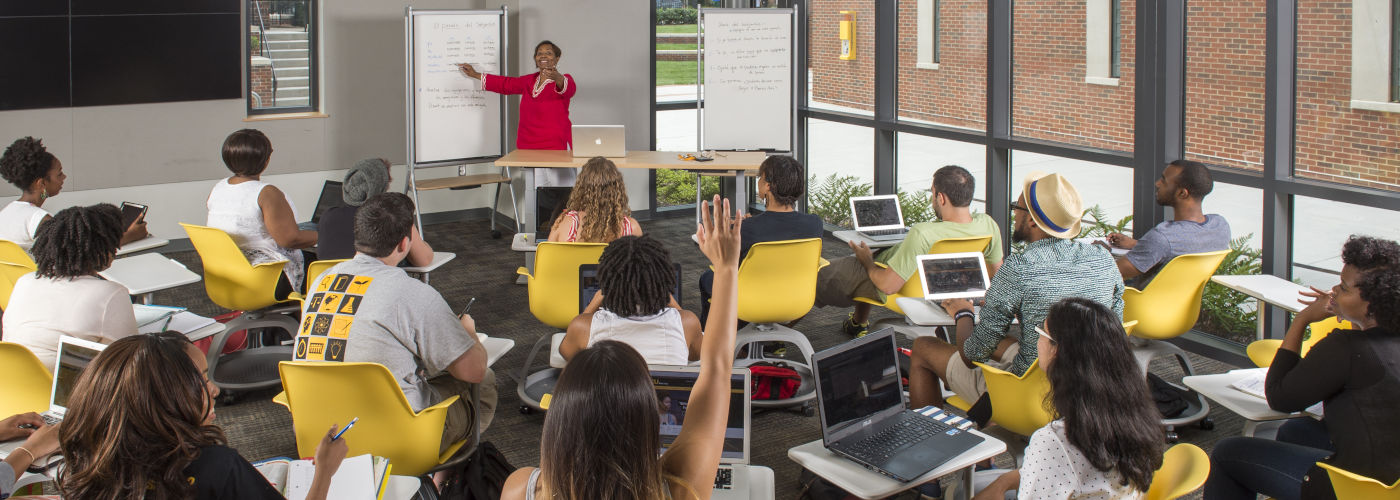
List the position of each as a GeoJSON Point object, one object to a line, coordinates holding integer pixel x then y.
{"type": "Point", "coordinates": [719, 234]}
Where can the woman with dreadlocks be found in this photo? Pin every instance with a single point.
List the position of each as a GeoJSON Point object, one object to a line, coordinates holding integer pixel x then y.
{"type": "Point", "coordinates": [64, 296]}
{"type": "Point", "coordinates": [597, 208]}
{"type": "Point", "coordinates": [634, 306]}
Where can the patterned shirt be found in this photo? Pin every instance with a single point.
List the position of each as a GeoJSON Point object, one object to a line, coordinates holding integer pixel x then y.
{"type": "Point", "coordinates": [1030, 282]}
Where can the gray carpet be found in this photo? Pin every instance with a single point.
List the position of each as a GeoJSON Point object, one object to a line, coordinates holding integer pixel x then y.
{"type": "Point", "coordinates": [485, 269]}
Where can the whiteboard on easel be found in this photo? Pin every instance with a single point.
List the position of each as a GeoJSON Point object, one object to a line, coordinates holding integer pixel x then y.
{"type": "Point", "coordinates": [451, 118]}
{"type": "Point", "coordinates": [748, 79]}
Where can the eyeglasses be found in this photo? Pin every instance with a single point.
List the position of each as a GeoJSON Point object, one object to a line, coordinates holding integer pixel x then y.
{"type": "Point", "coordinates": [1015, 207]}
{"type": "Point", "coordinates": [1047, 336]}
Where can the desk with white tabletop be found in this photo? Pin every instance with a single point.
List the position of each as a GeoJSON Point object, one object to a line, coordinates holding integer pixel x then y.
{"type": "Point", "coordinates": [142, 245]}
{"type": "Point", "coordinates": [1267, 289]}
{"type": "Point", "coordinates": [867, 484]}
{"type": "Point", "coordinates": [146, 274]}
{"type": "Point", "coordinates": [1253, 409]}
{"type": "Point", "coordinates": [439, 258]}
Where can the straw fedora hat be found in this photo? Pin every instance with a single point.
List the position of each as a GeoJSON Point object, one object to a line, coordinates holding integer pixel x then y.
{"type": "Point", "coordinates": [1053, 203]}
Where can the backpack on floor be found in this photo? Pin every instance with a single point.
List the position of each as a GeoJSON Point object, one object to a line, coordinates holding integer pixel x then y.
{"type": "Point", "coordinates": [1171, 400]}
{"type": "Point", "coordinates": [482, 477]}
{"type": "Point", "coordinates": [772, 380]}
{"type": "Point", "coordinates": [816, 488]}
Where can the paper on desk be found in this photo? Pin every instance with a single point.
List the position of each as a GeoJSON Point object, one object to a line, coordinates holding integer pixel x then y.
{"type": "Point", "coordinates": [148, 314]}
{"type": "Point", "coordinates": [1253, 385]}
{"type": "Point", "coordinates": [354, 479]}
{"type": "Point", "coordinates": [184, 322]}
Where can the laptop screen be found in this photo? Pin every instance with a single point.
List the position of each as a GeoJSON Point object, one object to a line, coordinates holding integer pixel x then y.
{"type": "Point", "coordinates": [588, 284]}
{"type": "Point", "coordinates": [876, 212]}
{"type": "Point", "coordinates": [858, 380]}
{"type": "Point", "coordinates": [331, 197]}
{"type": "Point", "coordinates": [73, 356]}
{"type": "Point", "coordinates": [954, 275]}
{"type": "Point", "coordinates": [673, 385]}
{"type": "Point", "coordinates": [550, 202]}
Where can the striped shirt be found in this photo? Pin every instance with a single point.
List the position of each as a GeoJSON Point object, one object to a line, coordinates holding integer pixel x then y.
{"type": "Point", "coordinates": [1030, 282]}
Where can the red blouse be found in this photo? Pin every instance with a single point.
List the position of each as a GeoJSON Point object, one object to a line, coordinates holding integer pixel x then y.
{"type": "Point", "coordinates": [544, 115]}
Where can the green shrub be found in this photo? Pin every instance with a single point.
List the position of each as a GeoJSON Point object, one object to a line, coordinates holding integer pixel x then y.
{"type": "Point", "coordinates": [677, 187]}
{"type": "Point", "coordinates": [1222, 311]}
{"type": "Point", "coordinates": [675, 15]}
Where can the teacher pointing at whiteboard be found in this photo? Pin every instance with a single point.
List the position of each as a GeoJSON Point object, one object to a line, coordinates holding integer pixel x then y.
{"type": "Point", "coordinates": [544, 106]}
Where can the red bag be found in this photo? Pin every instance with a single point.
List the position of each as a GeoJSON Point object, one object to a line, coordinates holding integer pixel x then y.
{"type": "Point", "coordinates": [772, 381]}
{"type": "Point", "coordinates": [237, 341]}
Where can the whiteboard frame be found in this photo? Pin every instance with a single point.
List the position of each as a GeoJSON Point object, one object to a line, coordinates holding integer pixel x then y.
{"type": "Point", "coordinates": [700, 81]}
{"type": "Point", "coordinates": [411, 103]}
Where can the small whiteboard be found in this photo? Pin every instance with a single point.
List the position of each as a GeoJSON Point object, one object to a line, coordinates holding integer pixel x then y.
{"type": "Point", "coordinates": [451, 119]}
{"type": "Point", "coordinates": [748, 91]}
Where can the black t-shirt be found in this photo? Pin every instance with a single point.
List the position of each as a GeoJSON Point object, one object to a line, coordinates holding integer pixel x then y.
{"type": "Point", "coordinates": [220, 472]}
{"type": "Point", "coordinates": [778, 226]}
{"type": "Point", "coordinates": [336, 238]}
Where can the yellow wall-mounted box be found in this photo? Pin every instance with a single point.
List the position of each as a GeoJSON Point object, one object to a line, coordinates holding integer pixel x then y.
{"type": "Point", "coordinates": [848, 35]}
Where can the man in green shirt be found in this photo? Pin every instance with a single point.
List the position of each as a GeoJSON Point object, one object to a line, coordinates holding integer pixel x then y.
{"type": "Point", "coordinates": [873, 277]}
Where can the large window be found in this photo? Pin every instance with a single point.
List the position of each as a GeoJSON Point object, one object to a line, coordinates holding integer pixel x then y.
{"type": "Point", "coordinates": [920, 156]}
{"type": "Point", "coordinates": [946, 82]}
{"type": "Point", "coordinates": [839, 165]}
{"type": "Point", "coordinates": [282, 56]}
{"type": "Point", "coordinates": [841, 55]}
{"type": "Point", "coordinates": [1225, 84]}
{"type": "Point", "coordinates": [1106, 191]}
{"type": "Point", "coordinates": [1320, 228]}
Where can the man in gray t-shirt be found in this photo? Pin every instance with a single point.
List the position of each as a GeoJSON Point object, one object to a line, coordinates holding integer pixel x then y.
{"type": "Point", "coordinates": [368, 310]}
{"type": "Point", "coordinates": [1182, 186]}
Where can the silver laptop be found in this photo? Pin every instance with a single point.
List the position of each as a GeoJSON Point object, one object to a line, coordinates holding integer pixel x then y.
{"type": "Point", "coordinates": [608, 141]}
{"type": "Point", "coordinates": [673, 386]}
{"type": "Point", "coordinates": [74, 354]}
{"type": "Point", "coordinates": [878, 217]}
{"type": "Point", "coordinates": [954, 276]}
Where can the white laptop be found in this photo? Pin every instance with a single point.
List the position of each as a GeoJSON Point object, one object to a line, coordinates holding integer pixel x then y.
{"type": "Point", "coordinates": [608, 141]}
{"type": "Point", "coordinates": [74, 354]}
{"type": "Point", "coordinates": [879, 217]}
{"type": "Point", "coordinates": [961, 275]}
{"type": "Point", "coordinates": [673, 386]}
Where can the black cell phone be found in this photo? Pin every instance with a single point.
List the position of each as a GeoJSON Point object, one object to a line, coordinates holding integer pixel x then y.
{"type": "Point", "coordinates": [131, 212]}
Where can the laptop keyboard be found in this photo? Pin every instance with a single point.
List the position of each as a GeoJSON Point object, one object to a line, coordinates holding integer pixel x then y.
{"type": "Point", "coordinates": [51, 419]}
{"type": "Point", "coordinates": [911, 428]}
{"type": "Point", "coordinates": [886, 232]}
{"type": "Point", "coordinates": [724, 478]}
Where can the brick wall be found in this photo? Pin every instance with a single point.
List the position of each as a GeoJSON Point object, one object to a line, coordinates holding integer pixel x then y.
{"type": "Point", "coordinates": [954, 94]}
{"type": "Point", "coordinates": [260, 81]}
{"type": "Point", "coordinates": [1225, 82]}
{"type": "Point", "coordinates": [846, 83]}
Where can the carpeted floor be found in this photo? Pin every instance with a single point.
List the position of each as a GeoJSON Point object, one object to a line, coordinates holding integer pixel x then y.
{"type": "Point", "coordinates": [485, 269]}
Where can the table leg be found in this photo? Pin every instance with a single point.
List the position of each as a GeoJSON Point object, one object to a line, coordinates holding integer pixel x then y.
{"type": "Point", "coordinates": [965, 490]}
{"type": "Point", "coordinates": [1249, 427]}
{"type": "Point", "coordinates": [146, 298]}
{"type": "Point", "coordinates": [741, 192]}
{"type": "Point", "coordinates": [1259, 313]}
{"type": "Point", "coordinates": [698, 195]}
{"type": "Point", "coordinates": [527, 220]}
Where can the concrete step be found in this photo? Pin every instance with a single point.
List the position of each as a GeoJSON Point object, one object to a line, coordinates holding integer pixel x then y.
{"type": "Point", "coordinates": [288, 82]}
{"type": "Point", "coordinates": [276, 54]}
{"type": "Point", "coordinates": [278, 35]}
{"type": "Point", "coordinates": [291, 71]}
{"type": "Point", "coordinates": [288, 44]}
{"type": "Point", "coordinates": [285, 91]}
{"type": "Point", "coordinates": [293, 101]}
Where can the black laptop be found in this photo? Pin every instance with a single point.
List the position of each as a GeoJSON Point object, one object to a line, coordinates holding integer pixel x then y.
{"type": "Point", "coordinates": [863, 412]}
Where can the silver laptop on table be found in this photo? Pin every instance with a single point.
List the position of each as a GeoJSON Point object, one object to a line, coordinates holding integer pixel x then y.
{"type": "Point", "coordinates": [74, 354]}
{"type": "Point", "coordinates": [863, 414]}
{"type": "Point", "coordinates": [879, 217]}
{"type": "Point", "coordinates": [608, 141]}
{"type": "Point", "coordinates": [673, 386]}
{"type": "Point", "coordinates": [961, 275]}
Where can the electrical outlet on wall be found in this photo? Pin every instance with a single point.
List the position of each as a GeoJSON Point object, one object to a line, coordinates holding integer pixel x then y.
{"type": "Point", "coordinates": [461, 170]}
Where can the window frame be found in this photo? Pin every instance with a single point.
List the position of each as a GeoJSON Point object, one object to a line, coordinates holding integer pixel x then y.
{"type": "Point", "coordinates": [313, 69]}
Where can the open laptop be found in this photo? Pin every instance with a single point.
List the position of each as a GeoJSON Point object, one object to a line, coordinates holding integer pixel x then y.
{"type": "Point", "coordinates": [878, 217]}
{"type": "Point", "coordinates": [608, 141]}
{"type": "Point", "coordinates": [550, 202]}
{"type": "Point", "coordinates": [588, 284]}
{"type": "Point", "coordinates": [863, 412]}
{"type": "Point", "coordinates": [74, 354]}
{"type": "Point", "coordinates": [960, 275]}
{"type": "Point", "coordinates": [673, 385]}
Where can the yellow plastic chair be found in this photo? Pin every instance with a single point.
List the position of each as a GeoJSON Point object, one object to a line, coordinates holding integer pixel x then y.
{"type": "Point", "coordinates": [11, 252]}
{"type": "Point", "coordinates": [777, 284]}
{"type": "Point", "coordinates": [232, 283]}
{"type": "Point", "coordinates": [27, 382]}
{"type": "Point", "coordinates": [1018, 403]}
{"type": "Point", "coordinates": [1184, 469]}
{"type": "Point", "coordinates": [553, 287]}
{"type": "Point", "coordinates": [1262, 352]}
{"type": "Point", "coordinates": [1128, 327]}
{"type": "Point", "coordinates": [10, 274]}
{"type": "Point", "coordinates": [914, 286]}
{"type": "Point", "coordinates": [316, 268]}
{"type": "Point", "coordinates": [1351, 485]}
{"type": "Point", "coordinates": [320, 394]}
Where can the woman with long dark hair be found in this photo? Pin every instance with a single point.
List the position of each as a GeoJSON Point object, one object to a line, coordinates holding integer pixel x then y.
{"type": "Point", "coordinates": [140, 425]}
{"type": "Point", "coordinates": [603, 429]}
{"type": "Point", "coordinates": [1106, 439]}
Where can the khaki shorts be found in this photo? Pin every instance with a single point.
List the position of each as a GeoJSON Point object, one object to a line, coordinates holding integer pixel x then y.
{"type": "Point", "coordinates": [968, 382]}
{"type": "Point", "coordinates": [839, 283]}
{"type": "Point", "coordinates": [458, 425]}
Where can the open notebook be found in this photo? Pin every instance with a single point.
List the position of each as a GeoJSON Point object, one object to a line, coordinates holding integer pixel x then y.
{"type": "Point", "coordinates": [359, 478]}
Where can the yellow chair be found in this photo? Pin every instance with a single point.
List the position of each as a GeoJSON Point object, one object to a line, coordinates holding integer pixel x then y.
{"type": "Point", "coordinates": [11, 252]}
{"type": "Point", "coordinates": [316, 268]}
{"type": "Point", "coordinates": [10, 274]}
{"type": "Point", "coordinates": [777, 284]}
{"type": "Point", "coordinates": [1128, 327]}
{"type": "Point", "coordinates": [1351, 485]}
{"type": "Point", "coordinates": [914, 286]}
{"type": "Point", "coordinates": [553, 287]}
{"type": "Point", "coordinates": [320, 394]}
{"type": "Point", "coordinates": [1184, 469]}
{"type": "Point", "coordinates": [232, 283]}
{"type": "Point", "coordinates": [27, 382]}
{"type": "Point", "coordinates": [1261, 352]}
{"type": "Point", "coordinates": [1018, 403]}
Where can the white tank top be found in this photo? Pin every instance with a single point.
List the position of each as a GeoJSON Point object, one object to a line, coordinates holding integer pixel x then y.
{"type": "Point", "coordinates": [659, 338]}
{"type": "Point", "coordinates": [234, 209]}
{"type": "Point", "coordinates": [18, 222]}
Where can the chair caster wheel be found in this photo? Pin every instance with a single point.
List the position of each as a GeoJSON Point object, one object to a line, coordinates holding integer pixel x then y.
{"type": "Point", "coordinates": [495, 234]}
{"type": "Point", "coordinates": [1206, 424]}
{"type": "Point", "coordinates": [808, 411]}
{"type": "Point", "coordinates": [526, 410]}
{"type": "Point", "coordinates": [1173, 437]}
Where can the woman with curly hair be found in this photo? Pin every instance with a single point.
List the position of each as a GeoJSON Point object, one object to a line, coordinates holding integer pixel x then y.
{"type": "Point", "coordinates": [1354, 373]}
{"type": "Point", "coordinates": [140, 425]}
{"type": "Point", "coordinates": [597, 208]}
{"type": "Point", "coordinates": [1106, 439]}
{"type": "Point", "coordinates": [64, 296]}
{"type": "Point", "coordinates": [39, 176]}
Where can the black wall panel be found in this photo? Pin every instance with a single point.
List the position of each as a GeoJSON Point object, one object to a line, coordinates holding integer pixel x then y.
{"type": "Point", "coordinates": [35, 51]}
{"type": "Point", "coordinates": [111, 7]}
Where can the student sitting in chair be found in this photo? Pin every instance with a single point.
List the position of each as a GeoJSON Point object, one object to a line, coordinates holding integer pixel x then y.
{"type": "Point", "coordinates": [336, 230]}
{"type": "Point", "coordinates": [39, 176]}
{"type": "Point", "coordinates": [597, 211]}
{"type": "Point", "coordinates": [65, 296]}
{"type": "Point", "coordinates": [1183, 185]}
{"type": "Point", "coordinates": [634, 306]}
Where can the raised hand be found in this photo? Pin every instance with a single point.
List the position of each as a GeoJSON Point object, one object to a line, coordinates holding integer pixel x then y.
{"type": "Point", "coordinates": [719, 233]}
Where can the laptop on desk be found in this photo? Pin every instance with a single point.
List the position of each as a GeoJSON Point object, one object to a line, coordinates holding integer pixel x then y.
{"type": "Point", "coordinates": [608, 141]}
{"type": "Point", "coordinates": [74, 354]}
{"type": "Point", "coordinates": [863, 415]}
{"type": "Point", "coordinates": [674, 384]}
{"type": "Point", "coordinates": [878, 218]}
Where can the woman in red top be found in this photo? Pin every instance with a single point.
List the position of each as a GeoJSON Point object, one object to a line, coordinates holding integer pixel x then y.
{"type": "Point", "coordinates": [544, 101]}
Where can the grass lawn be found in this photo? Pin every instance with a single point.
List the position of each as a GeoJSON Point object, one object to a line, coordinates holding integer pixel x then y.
{"type": "Point", "coordinates": [676, 28]}
{"type": "Point", "coordinates": [675, 72]}
{"type": "Point", "coordinates": [675, 46]}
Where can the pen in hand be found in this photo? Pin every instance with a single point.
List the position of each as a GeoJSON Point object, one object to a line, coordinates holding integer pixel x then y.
{"type": "Point", "coordinates": [347, 427]}
{"type": "Point", "coordinates": [468, 306]}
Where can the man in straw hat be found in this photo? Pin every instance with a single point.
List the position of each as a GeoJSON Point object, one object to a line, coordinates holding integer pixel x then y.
{"type": "Point", "coordinates": [1052, 267]}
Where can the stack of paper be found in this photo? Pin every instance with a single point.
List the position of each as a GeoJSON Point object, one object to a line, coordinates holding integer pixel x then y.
{"type": "Point", "coordinates": [359, 478]}
{"type": "Point", "coordinates": [147, 315]}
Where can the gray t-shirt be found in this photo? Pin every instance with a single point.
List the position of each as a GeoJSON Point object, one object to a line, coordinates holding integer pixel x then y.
{"type": "Point", "coordinates": [1173, 238]}
{"type": "Point", "coordinates": [365, 311]}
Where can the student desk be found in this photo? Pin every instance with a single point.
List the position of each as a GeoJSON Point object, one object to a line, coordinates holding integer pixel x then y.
{"type": "Point", "coordinates": [439, 258]}
{"type": "Point", "coordinates": [146, 274]}
{"type": "Point", "coordinates": [851, 235]}
{"type": "Point", "coordinates": [142, 245]}
{"type": "Point", "coordinates": [1253, 409]}
{"type": "Point", "coordinates": [1266, 289]}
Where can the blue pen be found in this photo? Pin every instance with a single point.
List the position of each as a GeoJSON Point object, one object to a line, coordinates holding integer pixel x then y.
{"type": "Point", "coordinates": [347, 427]}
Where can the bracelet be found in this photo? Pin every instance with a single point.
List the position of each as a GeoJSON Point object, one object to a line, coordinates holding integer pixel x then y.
{"type": "Point", "coordinates": [964, 313]}
{"type": "Point", "coordinates": [32, 459]}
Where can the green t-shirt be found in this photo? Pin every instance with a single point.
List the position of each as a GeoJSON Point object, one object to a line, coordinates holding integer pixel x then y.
{"type": "Point", "coordinates": [903, 258]}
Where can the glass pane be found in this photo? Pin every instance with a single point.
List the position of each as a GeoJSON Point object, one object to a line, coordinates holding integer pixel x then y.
{"type": "Point", "coordinates": [841, 55]}
{"type": "Point", "coordinates": [1225, 83]}
{"type": "Point", "coordinates": [1225, 313]}
{"type": "Point", "coordinates": [675, 47]}
{"type": "Point", "coordinates": [280, 69]}
{"type": "Point", "coordinates": [943, 62]}
{"type": "Point", "coordinates": [918, 157]}
{"type": "Point", "coordinates": [840, 164]}
{"type": "Point", "coordinates": [1061, 88]}
{"type": "Point", "coordinates": [675, 131]}
{"type": "Point", "coordinates": [1105, 190]}
{"type": "Point", "coordinates": [1319, 229]}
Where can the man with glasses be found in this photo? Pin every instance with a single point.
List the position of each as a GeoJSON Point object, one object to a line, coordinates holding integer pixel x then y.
{"type": "Point", "coordinates": [1053, 266]}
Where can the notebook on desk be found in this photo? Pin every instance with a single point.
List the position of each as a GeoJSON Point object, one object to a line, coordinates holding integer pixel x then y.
{"type": "Point", "coordinates": [673, 385]}
{"type": "Point", "coordinates": [878, 218]}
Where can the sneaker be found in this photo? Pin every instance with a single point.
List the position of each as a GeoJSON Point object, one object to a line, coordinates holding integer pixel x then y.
{"type": "Point", "coordinates": [855, 330]}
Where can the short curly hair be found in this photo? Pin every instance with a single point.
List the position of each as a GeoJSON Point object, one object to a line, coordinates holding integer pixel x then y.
{"type": "Point", "coordinates": [78, 241]}
{"type": "Point", "coordinates": [1380, 288]}
{"type": "Point", "coordinates": [26, 161]}
{"type": "Point", "coordinates": [1366, 253]}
